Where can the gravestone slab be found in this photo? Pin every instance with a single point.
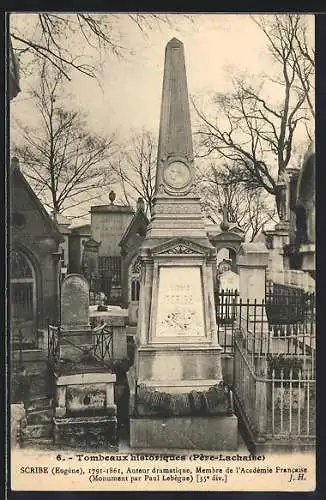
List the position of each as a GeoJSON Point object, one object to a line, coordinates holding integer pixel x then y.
{"type": "Point", "coordinates": [74, 302]}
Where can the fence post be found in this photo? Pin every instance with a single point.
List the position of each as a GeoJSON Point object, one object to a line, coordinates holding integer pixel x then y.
{"type": "Point", "coordinates": [119, 342]}
{"type": "Point", "coordinates": [261, 398]}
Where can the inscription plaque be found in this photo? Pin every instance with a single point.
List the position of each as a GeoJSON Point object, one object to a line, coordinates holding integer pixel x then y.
{"type": "Point", "coordinates": [180, 306]}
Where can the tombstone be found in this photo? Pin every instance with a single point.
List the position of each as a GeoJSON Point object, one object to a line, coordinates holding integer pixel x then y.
{"type": "Point", "coordinates": [75, 317]}
{"type": "Point", "coordinates": [75, 303]}
{"type": "Point", "coordinates": [178, 359]}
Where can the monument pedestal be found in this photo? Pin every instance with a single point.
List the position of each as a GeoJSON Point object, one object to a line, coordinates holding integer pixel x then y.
{"type": "Point", "coordinates": [178, 368]}
{"type": "Point", "coordinates": [185, 433]}
{"type": "Point", "coordinates": [177, 382]}
{"type": "Point", "coordinates": [99, 431]}
{"type": "Point", "coordinates": [85, 412]}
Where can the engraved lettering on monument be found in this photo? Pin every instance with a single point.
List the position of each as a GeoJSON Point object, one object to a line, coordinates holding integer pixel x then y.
{"type": "Point", "coordinates": [180, 302]}
{"type": "Point", "coordinates": [75, 301]}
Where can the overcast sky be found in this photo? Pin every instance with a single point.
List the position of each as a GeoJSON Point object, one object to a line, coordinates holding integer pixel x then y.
{"type": "Point", "coordinates": [128, 98]}
{"type": "Point", "coordinates": [131, 87]}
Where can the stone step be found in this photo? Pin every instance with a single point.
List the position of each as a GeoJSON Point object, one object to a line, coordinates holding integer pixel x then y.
{"type": "Point", "coordinates": [39, 416]}
{"type": "Point", "coordinates": [37, 431]}
{"type": "Point", "coordinates": [32, 368]}
{"type": "Point", "coordinates": [29, 356]}
{"type": "Point", "coordinates": [38, 403]}
{"type": "Point", "coordinates": [41, 443]}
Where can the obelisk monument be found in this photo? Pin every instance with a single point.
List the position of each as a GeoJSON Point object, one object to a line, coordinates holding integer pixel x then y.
{"type": "Point", "coordinates": [178, 388]}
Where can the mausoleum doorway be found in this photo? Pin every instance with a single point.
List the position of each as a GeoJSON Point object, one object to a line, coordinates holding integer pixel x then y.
{"type": "Point", "coordinates": [23, 297]}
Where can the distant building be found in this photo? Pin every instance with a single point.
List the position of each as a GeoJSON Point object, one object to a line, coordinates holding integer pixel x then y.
{"type": "Point", "coordinates": [130, 273]}
{"type": "Point", "coordinates": [108, 224]}
{"type": "Point", "coordinates": [78, 235]}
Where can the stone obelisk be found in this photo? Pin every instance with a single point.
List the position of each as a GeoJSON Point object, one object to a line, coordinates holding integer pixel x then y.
{"type": "Point", "coordinates": [176, 210]}
{"type": "Point", "coordinates": [178, 364]}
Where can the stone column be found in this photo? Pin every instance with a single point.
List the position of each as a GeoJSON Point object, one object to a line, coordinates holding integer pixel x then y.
{"type": "Point", "coordinates": [280, 239]}
{"type": "Point", "coordinates": [261, 397]}
{"type": "Point", "coordinates": [210, 285]}
{"type": "Point", "coordinates": [110, 393]}
{"type": "Point", "coordinates": [60, 410]}
{"type": "Point", "coordinates": [119, 342]}
{"type": "Point", "coordinates": [145, 300]}
{"type": "Point", "coordinates": [252, 264]}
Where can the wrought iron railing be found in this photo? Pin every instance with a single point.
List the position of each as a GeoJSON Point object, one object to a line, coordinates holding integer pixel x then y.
{"type": "Point", "coordinates": [226, 306]}
{"type": "Point", "coordinates": [253, 317]}
{"type": "Point", "coordinates": [54, 344]}
{"type": "Point", "coordinates": [99, 347]}
{"type": "Point", "coordinates": [274, 380]}
{"type": "Point", "coordinates": [102, 338]}
{"type": "Point", "coordinates": [276, 399]}
{"type": "Point", "coordinates": [288, 305]}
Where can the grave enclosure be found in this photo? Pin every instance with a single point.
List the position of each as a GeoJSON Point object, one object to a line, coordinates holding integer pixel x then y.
{"type": "Point", "coordinates": [85, 409]}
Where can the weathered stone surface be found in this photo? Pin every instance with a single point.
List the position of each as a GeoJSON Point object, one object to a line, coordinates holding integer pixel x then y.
{"type": "Point", "coordinates": [189, 433]}
{"type": "Point", "coordinates": [86, 397]}
{"type": "Point", "coordinates": [36, 431]}
{"type": "Point", "coordinates": [87, 431]}
{"type": "Point", "coordinates": [17, 413]}
{"type": "Point", "coordinates": [74, 301]}
{"type": "Point", "coordinates": [193, 365]}
{"type": "Point", "coordinates": [39, 416]}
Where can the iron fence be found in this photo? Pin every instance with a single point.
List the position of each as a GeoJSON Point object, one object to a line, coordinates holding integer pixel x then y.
{"type": "Point", "coordinates": [274, 379]}
{"type": "Point", "coordinates": [233, 312]}
{"type": "Point", "coordinates": [275, 392]}
{"type": "Point", "coordinates": [54, 344]}
{"type": "Point", "coordinates": [102, 338]}
{"type": "Point", "coordinates": [288, 305]}
{"type": "Point", "coordinates": [96, 346]}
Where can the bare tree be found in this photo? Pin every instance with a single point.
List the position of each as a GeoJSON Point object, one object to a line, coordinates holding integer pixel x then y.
{"type": "Point", "coordinates": [252, 131]}
{"type": "Point", "coordinates": [292, 37]}
{"type": "Point", "coordinates": [66, 164]}
{"type": "Point", "coordinates": [56, 35]}
{"type": "Point", "coordinates": [136, 169]}
{"type": "Point", "coordinates": [249, 208]}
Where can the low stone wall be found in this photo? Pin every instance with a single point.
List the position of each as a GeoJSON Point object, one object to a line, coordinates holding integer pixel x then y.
{"type": "Point", "coordinates": [17, 414]}
{"type": "Point", "coordinates": [294, 278]}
